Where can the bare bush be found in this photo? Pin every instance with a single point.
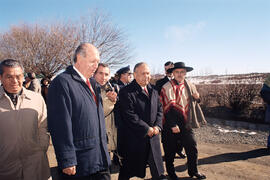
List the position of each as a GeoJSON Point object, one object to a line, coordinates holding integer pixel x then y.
{"type": "Point", "coordinates": [42, 49]}
{"type": "Point", "coordinates": [241, 96]}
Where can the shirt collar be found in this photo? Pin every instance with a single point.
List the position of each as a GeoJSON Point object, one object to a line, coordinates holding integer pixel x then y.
{"type": "Point", "coordinates": [80, 74]}
{"type": "Point", "coordinates": [24, 93]}
{"type": "Point", "coordinates": [143, 87]}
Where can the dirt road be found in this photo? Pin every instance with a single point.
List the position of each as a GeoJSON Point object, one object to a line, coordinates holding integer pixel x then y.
{"type": "Point", "coordinates": [217, 162]}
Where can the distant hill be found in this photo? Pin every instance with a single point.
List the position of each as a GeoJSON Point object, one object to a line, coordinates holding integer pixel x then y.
{"type": "Point", "coordinates": [251, 78]}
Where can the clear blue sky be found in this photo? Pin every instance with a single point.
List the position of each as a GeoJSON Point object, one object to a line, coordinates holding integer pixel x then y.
{"type": "Point", "coordinates": [213, 36]}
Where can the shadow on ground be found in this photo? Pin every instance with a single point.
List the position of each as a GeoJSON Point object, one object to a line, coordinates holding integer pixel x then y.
{"type": "Point", "coordinates": [229, 157]}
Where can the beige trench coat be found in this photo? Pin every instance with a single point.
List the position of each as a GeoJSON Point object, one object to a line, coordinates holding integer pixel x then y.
{"type": "Point", "coordinates": [109, 121]}
{"type": "Point", "coordinates": [24, 139]}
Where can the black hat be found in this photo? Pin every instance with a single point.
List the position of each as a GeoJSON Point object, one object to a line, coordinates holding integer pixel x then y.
{"type": "Point", "coordinates": [123, 70]}
{"type": "Point", "coordinates": [168, 63]}
{"type": "Point", "coordinates": [179, 65]}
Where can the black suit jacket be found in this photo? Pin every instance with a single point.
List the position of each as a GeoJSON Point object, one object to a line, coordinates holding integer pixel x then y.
{"type": "Point", "coordinates": [160, 83]}
{"type": "Point", "coordinates": [139, 112]}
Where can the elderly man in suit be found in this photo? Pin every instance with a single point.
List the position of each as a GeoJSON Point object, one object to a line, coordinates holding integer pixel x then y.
{"type": "Point", "coordinates": [142, 122]}
{"type": "Point", "coordinates": [76, 119]}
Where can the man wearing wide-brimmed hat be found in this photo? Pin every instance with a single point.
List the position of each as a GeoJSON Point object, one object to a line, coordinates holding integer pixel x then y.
{"type": "Point", "coordinates": [182, 112]}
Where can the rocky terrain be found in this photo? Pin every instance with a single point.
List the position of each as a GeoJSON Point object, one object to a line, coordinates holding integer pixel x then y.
{"type": "Point", "coordinates": [232, 132]}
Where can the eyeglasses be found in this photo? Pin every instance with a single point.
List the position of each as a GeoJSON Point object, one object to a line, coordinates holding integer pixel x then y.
{"type": "Point", "coordinates": [181, 72]}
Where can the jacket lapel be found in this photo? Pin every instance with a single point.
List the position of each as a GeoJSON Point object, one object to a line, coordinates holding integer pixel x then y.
{"type": "Point", "coordinates": [96, 89]}
{"type": "Point", "coordinates": [77, 77]}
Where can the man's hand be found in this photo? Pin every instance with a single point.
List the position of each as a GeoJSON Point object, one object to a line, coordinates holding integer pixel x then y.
{"type": "Point", "coordinates": [70, 170]}
{"type": "Point", "coordinates": [156, 130]}
{"type": "Point", "coordinates": [176, 129]}
{"type": "Point", "coordinates": [196, 95]}
{"type": "Point", "coordinates": [150, 132]}
{"type": "Point", "coordinates": [112, 96]}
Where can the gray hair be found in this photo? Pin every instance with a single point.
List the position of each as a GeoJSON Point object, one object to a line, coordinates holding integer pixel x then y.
{"type": "Point", "coordinates": [81, 49]}
{"type": "Point", "coordinates": [138, 65]}
{"type": "Point", "coordinates": [11, 63]}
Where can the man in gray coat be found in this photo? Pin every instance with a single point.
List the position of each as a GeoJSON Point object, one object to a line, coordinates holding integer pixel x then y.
{"type": "Point", "coordinates": [23, 127]}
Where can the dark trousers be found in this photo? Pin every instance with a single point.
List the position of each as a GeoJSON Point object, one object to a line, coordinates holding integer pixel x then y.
{"type": "Point", "coordinates": [124, 175]}
{"type": "Point", "coordinates": [101, 175]}
{"type": "Point", "coordinates": [170, 147]}
{"type": "Point", "coordinates": [179, 148]}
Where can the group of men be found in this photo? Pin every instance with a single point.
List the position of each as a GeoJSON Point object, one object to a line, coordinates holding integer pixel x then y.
{"type": "Point", "coordinates": [79, 100]}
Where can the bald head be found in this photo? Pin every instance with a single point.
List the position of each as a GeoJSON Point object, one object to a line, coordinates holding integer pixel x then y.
{"type": "Point", "coordinates": [86, 59]}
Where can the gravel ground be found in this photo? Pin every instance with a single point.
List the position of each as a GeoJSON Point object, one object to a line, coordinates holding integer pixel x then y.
{"type": "Point", "coordinates": [216, 132]}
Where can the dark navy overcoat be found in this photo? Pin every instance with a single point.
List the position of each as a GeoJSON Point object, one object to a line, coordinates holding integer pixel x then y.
{"type": "Point", "coordinates": [76, 124]}
{"type": "Point", "coordinates": [139, 112]}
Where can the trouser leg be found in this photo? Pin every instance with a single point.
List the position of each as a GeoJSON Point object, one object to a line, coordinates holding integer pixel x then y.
{"type": "Point", "coordinates": [153, 167]}
{"type": "Point", "coordinates": [180, 147]}
{"type": "Point", "coordinates": [101, 175]}
{"type": "Point", "coordinates": [169, 148]}
{"type": "Point", "coordinates": [123, 172]}
{"type": "Point", "coordinates": [190, 146]}
{"type": "Point", "coordinates": [268, 142]}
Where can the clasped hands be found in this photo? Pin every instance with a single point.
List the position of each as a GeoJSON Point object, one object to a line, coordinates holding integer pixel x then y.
{"type": "Point", "coordinates": [70, 170]}
{"type": "Point", "coordinates": [153, 131]}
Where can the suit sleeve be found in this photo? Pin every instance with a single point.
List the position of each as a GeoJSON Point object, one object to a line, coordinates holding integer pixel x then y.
{"type": "Point", "coordinates": [60, 124]}
{"type": "Point", "coordinates": [130, 117]}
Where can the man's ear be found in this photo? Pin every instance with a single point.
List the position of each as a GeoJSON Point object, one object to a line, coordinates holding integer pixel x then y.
{"type": "Point", "coordinates": [134, 75]}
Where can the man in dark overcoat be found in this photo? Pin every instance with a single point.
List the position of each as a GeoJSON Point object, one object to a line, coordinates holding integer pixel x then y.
{"type": "Point", "coordinates": [76, 119]}
{"type": "Point", "coordinates": [142, 122]}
